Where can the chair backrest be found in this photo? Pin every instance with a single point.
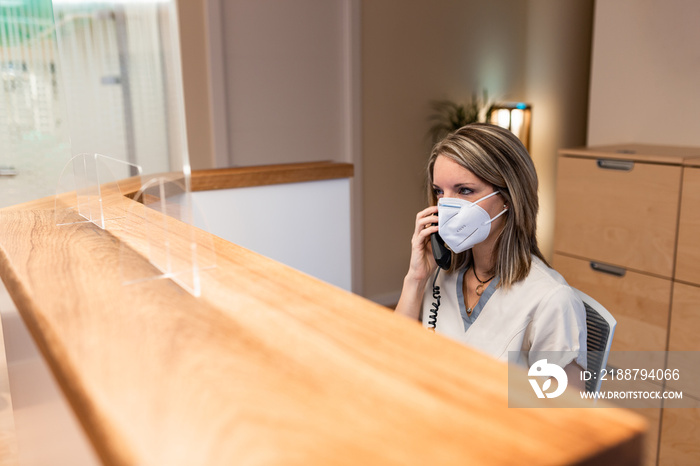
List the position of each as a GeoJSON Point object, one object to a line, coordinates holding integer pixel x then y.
{"type": "Point", "coordinates": [600, 326]}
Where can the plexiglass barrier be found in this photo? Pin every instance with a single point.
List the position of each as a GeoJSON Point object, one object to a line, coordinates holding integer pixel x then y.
{"type": "Point", "coordinates": [120, 80]}
{"type": "Point", "coordinates": [93, 194]}
{"type": "Point", "coordinates": [155, 218]}
{"type": "Point", "coordinates": [161, 228]}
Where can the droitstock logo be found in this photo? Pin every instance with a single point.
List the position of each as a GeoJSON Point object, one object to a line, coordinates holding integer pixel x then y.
{"type": "Point", "coordinates": [542, 369]}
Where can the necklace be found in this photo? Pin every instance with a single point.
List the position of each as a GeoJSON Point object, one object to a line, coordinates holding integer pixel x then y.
{"type": "Point", "coordinates": [480, 286]}
{"type": "Point", "coordinates": [466, 301]}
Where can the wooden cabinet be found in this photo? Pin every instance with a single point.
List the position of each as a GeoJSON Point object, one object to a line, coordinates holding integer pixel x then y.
{"type": "Point", "coordinates": [627, 232]}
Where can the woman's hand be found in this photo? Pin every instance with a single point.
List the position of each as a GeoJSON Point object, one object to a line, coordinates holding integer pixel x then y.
{"type": "Point", "coordinates": [422, 264]}
{"type": "Point", "coordinates": [422, 261]}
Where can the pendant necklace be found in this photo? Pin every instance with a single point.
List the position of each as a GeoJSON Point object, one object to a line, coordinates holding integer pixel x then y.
{"type": "Point", "coordinates": [466, 296]}
{"type": "Point", "coordinates": [479, 291]}
{"type": "Point", "coordinates": [466, 301]}
{"type": "Point", "coordinates": [480, 286]}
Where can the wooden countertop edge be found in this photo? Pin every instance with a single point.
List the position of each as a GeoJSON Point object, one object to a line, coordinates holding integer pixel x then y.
{"type": "Point", "coordinates": [240, 177]}
{"type": "Point", "coordinates": [244, 177]}
{"type": "Point", "coordinates": [105, 440]}
{"type": "Point", "coordinates": [228, 178]}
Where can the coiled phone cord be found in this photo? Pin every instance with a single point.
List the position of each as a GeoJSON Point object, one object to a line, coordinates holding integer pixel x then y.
{"type": "Point", "coordinates": [432, 318]}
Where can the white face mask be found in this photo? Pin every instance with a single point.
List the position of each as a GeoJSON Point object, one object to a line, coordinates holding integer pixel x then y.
{"type": "Point", "coordinates": [463, 224]}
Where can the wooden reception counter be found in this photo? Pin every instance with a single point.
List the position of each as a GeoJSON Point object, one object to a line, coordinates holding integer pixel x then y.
{"type": "Point", "coordinates": [268, 366]}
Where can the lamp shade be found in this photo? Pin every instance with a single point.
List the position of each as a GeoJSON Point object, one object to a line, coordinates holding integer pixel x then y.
{"type": "Point", "coordinates": [516, 117]}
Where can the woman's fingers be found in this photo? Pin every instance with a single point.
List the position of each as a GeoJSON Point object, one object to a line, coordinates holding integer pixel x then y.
{"type": "Point", "coordinates": [424, 229]}
{"type": "Point", "coordinates": [427, 211]}
{"type": "Point", "coordinates": [429, 229]}
{"type": "Point", "coordinates": [426, 218]}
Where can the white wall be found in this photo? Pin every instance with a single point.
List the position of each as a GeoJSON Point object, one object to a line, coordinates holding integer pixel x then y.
{"type": "Point", "coordinates": [303, 225]}
{"type": "Point", "coordinates": [645, 73]}
{"type": "Point", "coordinates": [556, 83]}
{"type": "Point", "coordinates": [285, 80]}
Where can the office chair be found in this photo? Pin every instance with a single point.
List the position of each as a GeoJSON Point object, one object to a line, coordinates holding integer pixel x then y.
{"type": "Point", "coordinates": [600, 326]}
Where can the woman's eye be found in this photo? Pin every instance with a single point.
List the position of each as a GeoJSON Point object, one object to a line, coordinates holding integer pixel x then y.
{"type": "Point", "coordinates": [437, 191]}
{"type": "Point", "coordinates": [465, 191]}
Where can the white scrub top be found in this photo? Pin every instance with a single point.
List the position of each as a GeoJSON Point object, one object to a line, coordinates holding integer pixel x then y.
{"type": "Point", "coordinates": [536, 316]}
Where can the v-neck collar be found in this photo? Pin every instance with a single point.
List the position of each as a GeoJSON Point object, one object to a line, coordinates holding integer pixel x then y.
{"type": "Point", "coordinates": [468, 320]}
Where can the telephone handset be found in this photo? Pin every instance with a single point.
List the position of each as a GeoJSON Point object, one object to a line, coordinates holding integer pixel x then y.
{"type": "Point", "coordinates": [443, 256]}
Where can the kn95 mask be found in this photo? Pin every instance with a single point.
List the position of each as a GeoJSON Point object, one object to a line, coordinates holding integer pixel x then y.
{"type": "Point", "coordinates": [463, 224]}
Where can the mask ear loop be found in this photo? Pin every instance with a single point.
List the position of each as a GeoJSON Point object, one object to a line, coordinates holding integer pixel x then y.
{"type": "Point", "coordinates": [505, 209]}
{"type": "Point", "coordinates": [486, 197]}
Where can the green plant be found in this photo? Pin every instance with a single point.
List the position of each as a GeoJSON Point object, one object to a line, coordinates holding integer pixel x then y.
{"type": "Point", "coordinates": [449, 116]}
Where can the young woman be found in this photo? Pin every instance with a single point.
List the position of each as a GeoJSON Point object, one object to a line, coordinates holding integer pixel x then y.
{"type": "Point", "coordinates": [498, 295]}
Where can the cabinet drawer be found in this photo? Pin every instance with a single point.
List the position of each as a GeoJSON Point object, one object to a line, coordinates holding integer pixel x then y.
{"type": "Point", "coordinates": [688, 254]}
{"type": "Point", "coordinates": [619, 214]}
{"type": "Point", "coordinates": [640, 303]}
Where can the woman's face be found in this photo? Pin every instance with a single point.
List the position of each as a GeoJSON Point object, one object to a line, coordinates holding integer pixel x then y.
{"type": "Point", "coordinates": [453, 180]}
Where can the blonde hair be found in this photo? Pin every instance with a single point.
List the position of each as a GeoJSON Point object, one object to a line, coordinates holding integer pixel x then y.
{"type": "Point", "coordinates": [497, 156]}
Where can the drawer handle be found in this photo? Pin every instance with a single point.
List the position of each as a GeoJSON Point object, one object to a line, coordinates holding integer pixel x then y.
{"type": "Point", "coordinates": [7, 171]}
{"type": "Point", "coordinates": [609, 269]}
{"type": "Point", "coordinates": [622, 165]}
